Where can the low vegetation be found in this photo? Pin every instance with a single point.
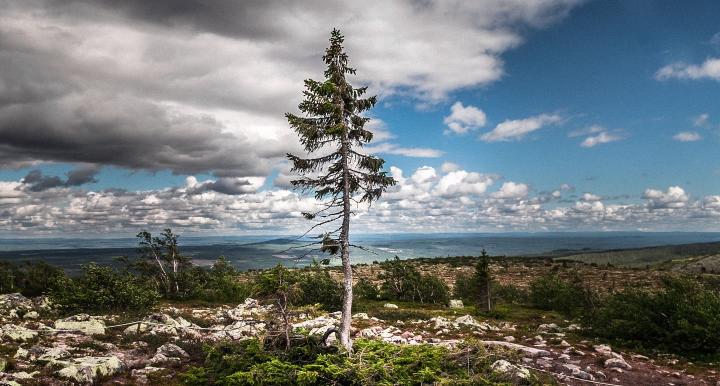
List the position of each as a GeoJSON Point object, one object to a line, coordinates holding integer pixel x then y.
{"type": "Point", "coordinates": [252, 362]}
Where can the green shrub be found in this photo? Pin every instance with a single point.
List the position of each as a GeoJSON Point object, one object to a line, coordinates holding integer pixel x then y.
{"type": "Point", "coordinates": [364, 289]}
{"type": "Point", "coordinates": [319, 288]}
{"type": "Point", "coordinates": [682, 316]}
{"type": "Point", "coordinates": [555, 294]}
{"type": "Point", "coordinates": [377, 363]}
{"type": "Point", "coordinates": [222, 285]}
{"type": "Point", "coordinates": [510, 294]}
{"type": "Point", "coordinates": [29, 278]}
{"type": "Point", "coordinates": [102, 289]}
{"type": "Point", "coordinates": [465, 288]}
{"type": "Point", "coordinates": [403, 282]}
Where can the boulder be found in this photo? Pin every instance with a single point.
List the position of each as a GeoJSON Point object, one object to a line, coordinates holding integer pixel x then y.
{"type": "Point", "coordinates": [320, 321]}
{"type": "Point", "coordinates": [391, 305]}
{"type": "Point", "coordinates": [83, 323]}
{"type": "Point", "coordinates": [467, 320]}
{"type": "Point", "coordinates": [164, 324]}
{"type": "Point", "coordinates": [169, 353]}
{"type": "Point", "coordinates": [603, 349]}
{"type": "Point", "coordinates": [617, 363]}
{"type": "Point", "coordinates": [531, 352]}
{"type": "Point", "coordinates": [140, 376]}
{"type": "Point", "coordinates": [87, 370]}
{"type": "Point", "coordinates": [577, 372]}
{"type": "Point", "coordinates": [440, 322]}
{"type": "Point", "coordinates": [249, 309]}
{"type": "Point", "coordinates": [16, 333]}
{"type": "Point", "coordinates": [240, 330]}
{"type": "Point", "coordinates": [456, 303]}
{"type": "Point", "coordinates": [11, 304]}
{"type": "Point", "coordinates": [31, 315]}
{"type": "Point", "coordinates": [510, 370]}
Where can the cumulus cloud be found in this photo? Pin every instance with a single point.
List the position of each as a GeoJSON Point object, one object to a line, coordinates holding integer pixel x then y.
{"type": "Point", "coordinates": [133, 85]}
{"type": "Point", "coordinates": [448, 167]}
{"type": "Point", "coordinates": [589, 197]}
{"type": "Point", "coordinates": [513, 130]}
{"type": "Point", "coordinates": [599, 139]}
{"type": "Point", "coordinates": [709, 69]}
{"type": "Point", "coordinates": [463, 119]}
{"type": "Point", "coordinates": [426, 201]}
{"type": "Point", "coordinates": [461, 182]}
{"type": "Point", "coordinates": [687, 136]}
{"type": "Point", "coordinates": [673, 197]}
{"type": "Point", "coordinates": [511, 190]}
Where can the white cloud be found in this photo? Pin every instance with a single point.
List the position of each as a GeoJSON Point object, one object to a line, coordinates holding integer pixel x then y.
{"type": "Point", "coordinates": [702, 120]}
{"type": "Point", "coordinates": [589, 197]}
{"type": "Point", "coordinates": [709, 69]}
{"type": "Point", "coordinates": [391, 148]}
{"type": "Point", "coordinates": [463, 119]}
{"type": "Point", "coordinates": [424, 174]}
{"type": "Point", "coordinates": [604, 137]}
{"type": "Point", "coordinates": [673, 197]}
{"type": "Point", "coordinates": [511, 190]}
{"type": "Point", "coordinates": [513, 130]}
{"type": "Point", "coordinates": [448, 167]}
{"type": "Point", "coordinates": [460, 183]}
{"type": "Point", "coordinates": [428, 201]}
{"type": "Point", "coordinates": [687, 136]}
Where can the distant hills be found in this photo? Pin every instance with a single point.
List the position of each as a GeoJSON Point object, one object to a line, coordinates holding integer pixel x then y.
{"type": "Point", "coordinates": [696, 257]}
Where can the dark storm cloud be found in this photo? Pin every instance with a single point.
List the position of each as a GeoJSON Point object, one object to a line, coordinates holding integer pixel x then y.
{"type": "Point", "coordinates": [36, 181]}
{"type": "Point", "coordinates": [253, 19]}
{"type": "Point", "coordinates": [201, 86]}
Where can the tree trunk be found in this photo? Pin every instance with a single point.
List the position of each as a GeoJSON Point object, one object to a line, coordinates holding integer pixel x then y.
{"type": "Point", "coordinates": [345, 251]}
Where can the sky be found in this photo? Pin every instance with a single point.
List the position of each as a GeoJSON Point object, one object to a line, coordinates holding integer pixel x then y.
{"type": "Point", "coordinates": [493, 116]}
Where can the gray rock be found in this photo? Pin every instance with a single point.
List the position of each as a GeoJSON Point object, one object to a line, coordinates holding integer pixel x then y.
{"type": "Point", "coordinates": [577, 372]}
{"type": "Point", "coordinates": [456, 303]}
{"type": "Point", "coordinates": [169, 353]}
{"type": "Point", "coordinates": [140, 376]}
{"type": "Point", "coordinates": [82, 323]}
{"type": "Point", "coordinates": [16, 333]}
{"type": "Point", "coordinates": [617, 363]}
{"type": "Point", "coordinates": [87, 370]}
{"type": "Point", "coordinates": [510, 370]}
{"type": "Point", "coordinates": [531, 352]}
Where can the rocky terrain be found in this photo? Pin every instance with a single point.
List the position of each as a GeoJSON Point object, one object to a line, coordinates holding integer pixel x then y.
{"type": "Point", "coordinates": [41, 349]}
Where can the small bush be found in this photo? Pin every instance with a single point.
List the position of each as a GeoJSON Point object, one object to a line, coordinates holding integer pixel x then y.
{"type": "Point", "coordinates": [319, 288]}
{"type": "Point", "coordinates": [102, 289]}
{"type": "Point", "coordinates": [555, 294]}
{"type": "Point", "coordinates": [683, 316]}
{"type": "Point", "coordinates": [378, 363]}
{"type": "Point", "coordinates": [30, 278]}
{"type": "Point", "coordinates": [510, 294]}
{"type": "Point", "coordinates": [403, 282]}
{"type": "Point", "coordinates": [222, 285]}
{"type": "Point", "coordinates": [364, 289]}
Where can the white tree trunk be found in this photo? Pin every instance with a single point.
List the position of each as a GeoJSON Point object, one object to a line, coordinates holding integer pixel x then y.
{"type": "Point", "coordinates": [346, 321]}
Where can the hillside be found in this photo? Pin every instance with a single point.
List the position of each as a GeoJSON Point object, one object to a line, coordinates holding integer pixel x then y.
{"type": "Point", "coordinates": [644, 257]}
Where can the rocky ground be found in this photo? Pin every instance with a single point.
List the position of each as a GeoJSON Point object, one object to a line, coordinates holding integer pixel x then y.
{"type": "Point", "coordinates": [37, 349]}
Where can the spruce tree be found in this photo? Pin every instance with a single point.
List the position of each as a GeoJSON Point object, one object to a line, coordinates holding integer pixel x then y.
{"type": "Point", "coordinates": [333, 125]}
